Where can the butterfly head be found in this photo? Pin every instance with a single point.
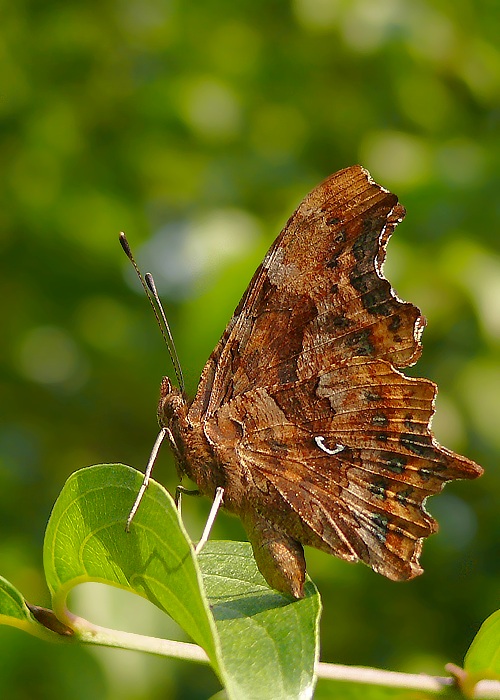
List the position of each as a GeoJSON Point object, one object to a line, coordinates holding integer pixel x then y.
{"type": "Point", "coordinates": [172, 406]}
{"type": "Point", "coordinates": [190, 447]}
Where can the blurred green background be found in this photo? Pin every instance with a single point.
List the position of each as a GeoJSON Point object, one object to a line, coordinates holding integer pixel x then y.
{"type": "Point", "coordinates": [197, 127]}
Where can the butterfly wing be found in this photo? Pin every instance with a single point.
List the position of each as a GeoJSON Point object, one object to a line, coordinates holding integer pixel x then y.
{"type": "Point", "coordinates": [349, 459]}
{"type": "Point", "coordinates": [318, 438]}
{"type": "Point", "coordinates": [318, 297]}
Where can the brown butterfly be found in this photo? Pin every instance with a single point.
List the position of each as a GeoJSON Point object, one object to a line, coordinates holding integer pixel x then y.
{"type": "Point", "coordinates": [302, 415]}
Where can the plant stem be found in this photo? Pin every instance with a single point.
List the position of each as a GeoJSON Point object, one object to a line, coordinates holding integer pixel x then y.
{"type": "Point", "coordinates": [93, 634]}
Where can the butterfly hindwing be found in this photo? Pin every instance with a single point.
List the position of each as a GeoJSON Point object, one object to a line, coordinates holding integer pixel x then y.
{"type": "Point", "coordinates": [351, 455]}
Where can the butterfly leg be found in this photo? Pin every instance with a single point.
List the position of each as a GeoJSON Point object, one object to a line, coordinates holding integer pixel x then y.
{"type": "Point", "coordinates": [179, 490]}
{"type": "Point", "coordinates": [147, 475]}
{"type": "Point", "coordinates": [280, 558]}
{"type": "Point", "coordinates": [211, 519]}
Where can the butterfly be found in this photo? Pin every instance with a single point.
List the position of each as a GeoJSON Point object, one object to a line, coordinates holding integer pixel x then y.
{"type": "Point", "coordinates": [302, 419]}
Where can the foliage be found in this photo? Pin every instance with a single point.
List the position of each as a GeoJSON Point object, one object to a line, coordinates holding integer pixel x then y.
{"type": "Point", "coordinates": [260, 643]}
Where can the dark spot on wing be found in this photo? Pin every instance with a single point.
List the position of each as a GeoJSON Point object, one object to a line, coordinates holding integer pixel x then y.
{"type": "Point", "coordinates": [380, 523]}
{"type": "Point", "coordinates": [395, 463]}
{"type": "Point", "coordinates": [380, 419]}
{"type": "Point", "coordinates": [379, 487]}
{"type": "Point", "coordinates": [404, 495]}
{"type": "Point", "coordinates": [372, 396]}
{"type": "Point", "coordinates": [334, 261]}
{"type": "Point", "coordinates": [331, 323]}
{"type": "Point", "coordinates": [395, 323]}
{"type": "Point", "coordinates": [418, 444]}
{"type": "Point", "coordinates": [361, 341]}
{"type": "Point", "coordinates": [277, 446]}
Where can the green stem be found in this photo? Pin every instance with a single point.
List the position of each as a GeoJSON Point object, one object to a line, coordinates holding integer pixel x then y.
{"type": "Point", "coordinates": [88, 633]}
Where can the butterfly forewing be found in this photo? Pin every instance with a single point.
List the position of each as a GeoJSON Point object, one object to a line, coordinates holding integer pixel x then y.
{"type": "Point", "coordinates": [318, 297]}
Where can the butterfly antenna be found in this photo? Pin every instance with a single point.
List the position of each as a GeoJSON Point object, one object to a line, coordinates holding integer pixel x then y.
{"type": "Point", "coordinates": [170, 345]}
{"type": "Point", "coordinates": [149, 287]}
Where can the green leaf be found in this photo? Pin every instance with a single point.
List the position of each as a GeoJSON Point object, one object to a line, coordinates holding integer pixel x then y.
{"type": "Point", "coordinates": [261, 643]}
{"type": "Point", "coordinates": [86, 541]}
{"type": "Point", "coordinates": [12, 603]}
{"type": "Point", "coordinates": [483, 658]}
{"type": "Point", "coordinates": [15, 612]}
{"type": "Point", "coordinates": [277, 636]}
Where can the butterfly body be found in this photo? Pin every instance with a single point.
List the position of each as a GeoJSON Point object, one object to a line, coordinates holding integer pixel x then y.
{"type": "Point", "coordinates": [302, 414]}
{"type": "Point", "coordinates": [252, 498]}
